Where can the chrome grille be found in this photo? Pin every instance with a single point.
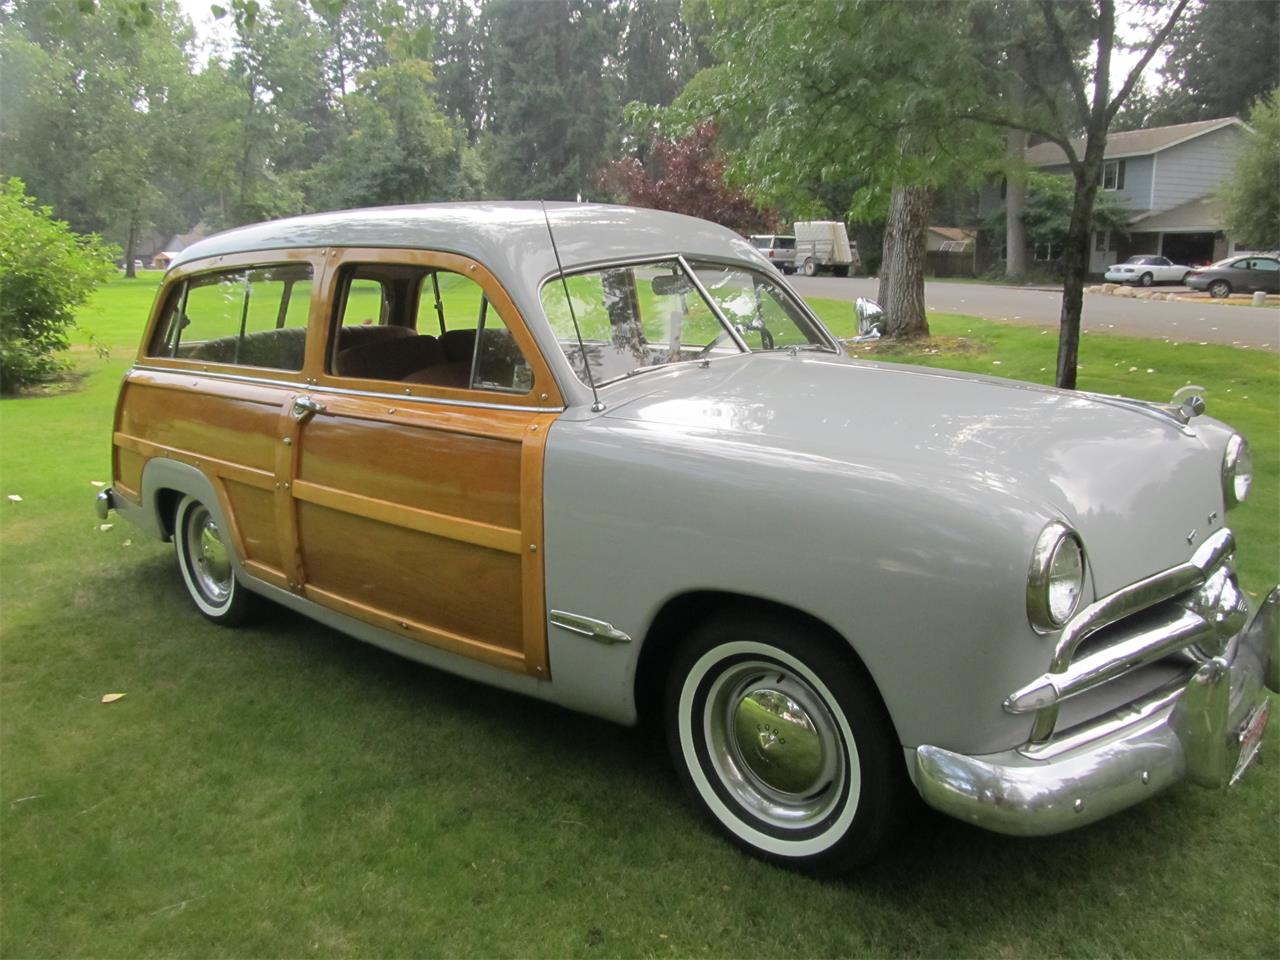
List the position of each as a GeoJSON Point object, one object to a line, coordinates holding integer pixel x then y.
{"type": "Point", "coordinates": [1195, 607]}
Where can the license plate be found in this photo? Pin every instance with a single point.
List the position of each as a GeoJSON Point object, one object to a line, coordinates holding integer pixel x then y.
{"type": "Point", "coordinates": [1251, 738]}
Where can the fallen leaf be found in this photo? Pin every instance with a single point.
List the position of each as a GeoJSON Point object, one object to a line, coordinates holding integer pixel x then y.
{"type": "Point", "coordinates": [15, 498]}
{"type": "Point", "coordinates": [127, 543]}
{"type": "Point", "coordinates": [97, 483]}
{"type": "Point", "coordinates": [111, 697]}
{"type": "Point", "coordinates": [104, 527]}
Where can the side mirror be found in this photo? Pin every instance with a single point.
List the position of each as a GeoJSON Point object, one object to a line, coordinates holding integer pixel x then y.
{"type": "Point", "coordinates": [870, 318]}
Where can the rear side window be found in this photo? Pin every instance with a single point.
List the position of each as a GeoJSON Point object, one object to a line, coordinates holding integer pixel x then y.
{"type": "Point", "coordinates": [252, 318]}
{"type": "Point", "coordinates": [423, 326]}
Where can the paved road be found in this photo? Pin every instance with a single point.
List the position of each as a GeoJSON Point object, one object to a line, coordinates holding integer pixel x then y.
{"type": "Point", "coordinates": [1194, 322]}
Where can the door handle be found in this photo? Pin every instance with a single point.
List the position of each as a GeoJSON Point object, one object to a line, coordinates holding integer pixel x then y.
{"type": "Point", "coordinates": [305, 407]}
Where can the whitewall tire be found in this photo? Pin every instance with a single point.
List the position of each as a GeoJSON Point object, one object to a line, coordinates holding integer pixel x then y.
{"type": "Point", "coordinates": [207, 564]}
{"type": "Point", "coordinates": [782, 740]}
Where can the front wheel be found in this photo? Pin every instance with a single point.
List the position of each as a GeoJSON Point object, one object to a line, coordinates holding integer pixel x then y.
{"type": "Point", "coordinates": [1219, 289]}
{"type": "Point", "coordinates": [780, 737]}
{"type": "Point", "coordinates": [207, 565]}
{"type": "Point", "coordinates": [1146, 280]}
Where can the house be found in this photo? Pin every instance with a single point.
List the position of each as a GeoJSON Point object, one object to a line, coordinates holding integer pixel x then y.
{"type": "Point", "coordinates": [950, 239]}
{"type": "Point", "coordinates": [162, 259]}
{"type": "Point", "coordinates": [1168, 176]}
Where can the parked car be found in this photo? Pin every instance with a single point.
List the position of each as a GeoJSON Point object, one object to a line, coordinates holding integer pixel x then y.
{"type": "Point", "coordinates": [1238, 274]}
{"type": "Point", "coordinates": [823, 245]}
{"type": "Point", "coordinates": [779, 250]}
{"type": "Point", "coordinates": [1147, 270]}
{"type": "Point", "coordinates": [605, 457]}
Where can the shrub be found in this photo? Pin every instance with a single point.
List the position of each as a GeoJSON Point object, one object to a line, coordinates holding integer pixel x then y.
{"type": "Point", "coordinates": [46, 271]}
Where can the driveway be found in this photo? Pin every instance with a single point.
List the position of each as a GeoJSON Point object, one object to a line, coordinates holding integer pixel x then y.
{"type": "Point", "coordinates": [1040, 307]}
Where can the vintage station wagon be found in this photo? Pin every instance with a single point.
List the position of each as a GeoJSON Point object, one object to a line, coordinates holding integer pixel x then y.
{"type": "Point", "coordinates": [605, 457]}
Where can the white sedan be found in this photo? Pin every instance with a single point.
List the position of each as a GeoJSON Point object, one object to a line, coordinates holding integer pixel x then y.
{"type": "Point", "coordinates": [1146, 270]}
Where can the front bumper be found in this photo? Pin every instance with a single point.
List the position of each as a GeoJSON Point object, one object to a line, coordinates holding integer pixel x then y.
{"type": "Point", "coordinates": [1192, 730]}
{"type": "Point", "coordinates": [1112, 277]}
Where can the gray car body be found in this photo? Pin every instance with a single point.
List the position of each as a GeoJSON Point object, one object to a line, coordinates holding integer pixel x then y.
{"type": "Point", "coordinates": [897, 505]}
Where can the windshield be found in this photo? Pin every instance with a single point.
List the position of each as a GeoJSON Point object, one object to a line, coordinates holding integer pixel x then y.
{"type": "Point", "coordinates": [642, 317]}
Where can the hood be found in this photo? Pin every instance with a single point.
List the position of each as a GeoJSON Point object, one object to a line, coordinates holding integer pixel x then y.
{"type": "Point", "coordinates": [1137, 486]}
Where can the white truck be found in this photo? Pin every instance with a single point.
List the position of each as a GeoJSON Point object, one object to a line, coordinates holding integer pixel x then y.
{"type": "Point", "coordinates": [824, 245]}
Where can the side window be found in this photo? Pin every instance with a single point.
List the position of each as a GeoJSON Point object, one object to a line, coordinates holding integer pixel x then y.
{"type": "Point", "coordinates": [253, 318]}
{"type": "Point", "coordinates": [1268, 265]}
{"type": "Point", "coordinates": [431, 327]}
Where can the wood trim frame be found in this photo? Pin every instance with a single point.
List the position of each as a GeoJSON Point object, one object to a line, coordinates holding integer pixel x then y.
{"type": "Point", "coordinates": [317, 257]}
{"type": "Point", "coordinates": [545, 393]}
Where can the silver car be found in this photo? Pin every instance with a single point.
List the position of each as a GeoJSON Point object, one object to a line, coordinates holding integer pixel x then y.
{"type": "Point", "coordinates": [607, 458]}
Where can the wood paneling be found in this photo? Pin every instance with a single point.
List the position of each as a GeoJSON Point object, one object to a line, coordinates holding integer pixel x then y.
{"type": "Point", "coordinates": [253, 513]}
{"type": "Point", "coordinates": [460, 475]}
{"type": "Point", "coordinates": [469, 592]}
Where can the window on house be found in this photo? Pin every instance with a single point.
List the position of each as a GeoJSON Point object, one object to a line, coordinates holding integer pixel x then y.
{"type": "Point", "coordinates": [1047, 252]}
{"type": "Point", "coordinates": [1113, 175]}
{"type": "Point", "coordinates": [1004, 188]}
{"type": "Point", "coordinates": [1100, 242]}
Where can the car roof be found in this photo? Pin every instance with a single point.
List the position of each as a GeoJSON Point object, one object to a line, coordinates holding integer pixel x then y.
{"type": "Point", "coordinates": [508, 237]}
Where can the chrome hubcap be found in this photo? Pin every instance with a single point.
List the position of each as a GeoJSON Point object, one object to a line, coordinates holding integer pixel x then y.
{"type": "Point", "coordinates": [210, 561]}
{"type": "Point", "coordinates": [775, 744]}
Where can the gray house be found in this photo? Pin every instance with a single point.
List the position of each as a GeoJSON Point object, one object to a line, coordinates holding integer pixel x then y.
{"type": "Point", "coordinates": [1168, 176]}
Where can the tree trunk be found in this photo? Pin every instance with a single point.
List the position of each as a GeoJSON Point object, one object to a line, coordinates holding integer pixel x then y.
{"type": "Point", "coordinates": [886, 253]}
{"type": "Point", "coordinates": [131, 242]}
{"type": "Point", "coordinates": [1015, 195]}
{"type": "Point", "coordinates": [1076, 265]}
{"type": "Point", "coordinates": [903, 269]}
{"type": "Point", "coordinates": [1015, 203]}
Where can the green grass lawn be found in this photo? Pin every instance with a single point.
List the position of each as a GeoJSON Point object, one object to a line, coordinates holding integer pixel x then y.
{"type": "Point", "coordinates": [284, 790]}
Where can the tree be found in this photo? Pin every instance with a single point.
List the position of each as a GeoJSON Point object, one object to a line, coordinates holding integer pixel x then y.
{"type": "Point", "coordinates": [88, 121]}
{"type": "Point", "coordinates": [1223, 55]}
{"type": "Point", "coordinates": [46, 271]}
{"type": "Point", "coordinates": [1046, 215]}
{"type": "Point", "coordinates": [686, 176]}
{"type": "Point", "coordinates": [1052, 48]}
{"type": "Point", "coordinates": [555, 109]}
{"type": "Point", "coordinates": [856, 94]}
{"type": "Point", "coordinates": [1251, 198]}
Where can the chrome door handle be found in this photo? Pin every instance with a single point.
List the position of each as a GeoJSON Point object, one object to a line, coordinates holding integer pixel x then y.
{"type": "Point", "coordinates": [304, 407]}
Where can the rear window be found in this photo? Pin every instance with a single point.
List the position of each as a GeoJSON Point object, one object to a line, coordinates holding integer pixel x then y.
{"type": "Point", "coordinates": [253, 317]}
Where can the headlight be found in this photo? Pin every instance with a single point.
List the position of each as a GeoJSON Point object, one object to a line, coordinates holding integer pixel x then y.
{"type": "Point", "coordinates": [1055, 581]}
{"type": "Point", "coordinates": [1237, 471]}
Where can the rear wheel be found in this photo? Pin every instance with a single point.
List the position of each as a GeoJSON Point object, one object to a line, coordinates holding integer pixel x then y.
{"type": "Point", "coordinates": [781, 739]}
{"type": "Point", "coordinates": [808, 268]}
{"type": "Point", "coordinates": [207, 565]}
{"type": "Point", "coordinates": [841, 271]}
{"type": "Point", "coordinates": [1219, 289]}
{"type": "Point", "coordinates": [1186, 276]}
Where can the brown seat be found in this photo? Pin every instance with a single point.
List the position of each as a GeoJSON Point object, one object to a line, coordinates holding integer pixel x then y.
{"type": "Point", "coordinates": [357, 335]}
{"type": "Point", "coordinates": [458, 345]}
{"type": "Point", "coordinates": [389, 359]}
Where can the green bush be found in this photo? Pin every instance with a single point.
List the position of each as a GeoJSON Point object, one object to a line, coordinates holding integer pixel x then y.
{"type": "Point", "coordinates": [46, 271]}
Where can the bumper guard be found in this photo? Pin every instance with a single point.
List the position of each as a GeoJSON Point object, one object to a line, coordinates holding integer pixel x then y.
{"type": "Point", "coordinates": [1205, 730]}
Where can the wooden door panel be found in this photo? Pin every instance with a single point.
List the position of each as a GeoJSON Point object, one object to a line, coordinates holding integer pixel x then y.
{"type": "Point", "coordinates": [459, 475]}
{"type": "Point", "coordinates": [445, 585]}
{"type": "Point", "coordinates": [426, 519]}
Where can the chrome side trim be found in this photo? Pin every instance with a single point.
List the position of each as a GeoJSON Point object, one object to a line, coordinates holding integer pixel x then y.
{"type": "Point", "coordinates": [399, 398]}
{"type": "Point", "coordinates": [597, 630]}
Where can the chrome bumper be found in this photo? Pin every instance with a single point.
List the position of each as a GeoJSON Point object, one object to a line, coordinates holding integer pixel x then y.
{"type": "Point", "coordinates": [1192, 730]}
{"type": "Point", "coordinates": [104, 503]}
